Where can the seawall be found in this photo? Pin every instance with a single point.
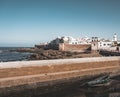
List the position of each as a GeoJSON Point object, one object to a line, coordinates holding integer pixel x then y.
{"type": "Point", "coordinates": [51, 75]}
{"type": "Point", "coordinates": [20, 64]}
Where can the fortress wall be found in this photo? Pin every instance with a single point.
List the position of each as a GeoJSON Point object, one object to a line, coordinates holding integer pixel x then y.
{"type": "Point", "coordinates": [74, 47]}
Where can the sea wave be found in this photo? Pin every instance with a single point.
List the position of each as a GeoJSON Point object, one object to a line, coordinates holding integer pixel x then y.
{"type": "Point", "coordinates": [1, 51]}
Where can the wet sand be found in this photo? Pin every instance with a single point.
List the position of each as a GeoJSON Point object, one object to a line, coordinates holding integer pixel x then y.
{"type": "Point", "coordinates": [73, 89]}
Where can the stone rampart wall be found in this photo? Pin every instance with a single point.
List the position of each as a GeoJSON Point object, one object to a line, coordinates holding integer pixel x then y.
{"type": "Point", "coordinates": [74, 47]}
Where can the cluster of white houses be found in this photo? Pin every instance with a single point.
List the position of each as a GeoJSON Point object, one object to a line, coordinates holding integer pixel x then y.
{"type": "Point", "coordinates": [70, 43]}
{"type": "Point", "coordinates": [71, 40]}
{"type": "Point", "coordinates": [102, 44]}
{"type": "Point", "coordinates": [95, 42]}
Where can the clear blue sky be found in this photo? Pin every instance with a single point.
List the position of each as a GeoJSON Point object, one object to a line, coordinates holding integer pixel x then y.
{"type": "Point", "coordinates": [27, 22]}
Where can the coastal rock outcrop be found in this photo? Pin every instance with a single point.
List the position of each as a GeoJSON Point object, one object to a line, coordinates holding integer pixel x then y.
{"type": "Point", "coordinates": [41, 54]}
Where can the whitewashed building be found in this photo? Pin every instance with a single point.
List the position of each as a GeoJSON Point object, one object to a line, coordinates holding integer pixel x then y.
{"type": "Point", "coordinates": [102, 44]}
{"type": "Point", "coordinates": [114, 38]}
{"type": "Point", "coordinates": [71, 40]}
{"type": "Point", "coordinates": [95, 42]}
{"type": "Point", "coordinates": [84, 40]}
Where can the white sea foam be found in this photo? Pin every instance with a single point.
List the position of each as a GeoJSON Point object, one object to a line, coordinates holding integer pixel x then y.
{"type": "Point", "coordinates": [1, 51]}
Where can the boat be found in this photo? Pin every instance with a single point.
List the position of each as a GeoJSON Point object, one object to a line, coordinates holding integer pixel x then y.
{"type": "Point", "coordinates": [100, 81]}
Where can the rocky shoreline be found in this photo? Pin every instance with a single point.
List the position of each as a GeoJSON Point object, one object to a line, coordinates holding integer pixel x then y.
{"type": "Point", "coordinates": [41, 54]}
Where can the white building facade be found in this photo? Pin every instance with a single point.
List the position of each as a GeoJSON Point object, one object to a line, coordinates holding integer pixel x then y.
{"type": "Point", "coordinates": [104, 45]}
{"type": "Point", "coordinates": [71, 40]}
{"type": "Point", "coordinates": [95, 42]}
{"type": "Point", "coordinates": [115, 37]}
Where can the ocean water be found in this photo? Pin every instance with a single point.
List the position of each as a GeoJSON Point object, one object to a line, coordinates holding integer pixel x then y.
{"type": "Point", "coordinates": [6, 55]}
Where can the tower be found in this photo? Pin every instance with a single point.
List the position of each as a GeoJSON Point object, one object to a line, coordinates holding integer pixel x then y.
{"type": "Point", "coordinates": [115, 37]}
{"type": "Point", "coordinates": [94, 44]}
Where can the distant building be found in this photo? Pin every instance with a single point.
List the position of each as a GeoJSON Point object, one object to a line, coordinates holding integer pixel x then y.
{"type": "Point", "coordinates": [84, 40]}
{"type": "Point", "coordinates": [66, 43]}
{"type": "Point", "coordinates": [115, 41]}
{"type": "Point", "coordinates": [114, 38]}
{"type": "Point", "coordinates": [94, 44]}
{"type": "Point", "coordinates": [71, 40]}
{"type": "Point", "coordinates": [102, 44]}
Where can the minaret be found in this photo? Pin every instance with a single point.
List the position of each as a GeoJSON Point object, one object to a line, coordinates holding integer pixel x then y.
{"type": "Point", "coordinates": [115, 37]}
